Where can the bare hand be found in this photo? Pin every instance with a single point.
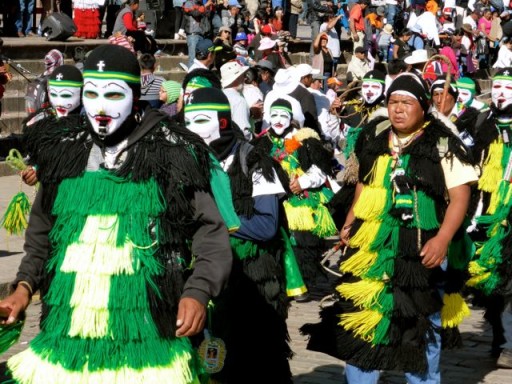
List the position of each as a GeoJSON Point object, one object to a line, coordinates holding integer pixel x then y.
{"type": "Point", "coordinates": [13, 305]}
{"type": "Point", "coordinates": [29, 176]}
{"type": "Point", "coordinates": [355, 37]}
{"type": "Point", "coordinates": [257, 110]}
{"type": "Point", "coordinates": [434, 252]}
{"type": "Point", "coordinates": [191, 317]}
{"type": "Point", "coordinates": [295, 186]}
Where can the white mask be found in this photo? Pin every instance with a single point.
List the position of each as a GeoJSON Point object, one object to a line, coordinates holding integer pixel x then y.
{"type": "Point", "coordinates": [501, 93]}
{"type": "Point", "coordinates": [371, 91]}
{"type": "Point", "coordinates": [204, 123]}
{"type": "Point", "coordinates": [108, 103]}
{"type": "Point", "coordinates": [64, 99]}
{"type": "Point", "coordinates": [279, 120]}
{"type": "Point", "coordinates": [465, 96]}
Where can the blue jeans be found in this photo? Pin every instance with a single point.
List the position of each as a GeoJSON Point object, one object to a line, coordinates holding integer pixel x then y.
{"type": "Point", "coordinates": [24, 16]}
{"type": "Point", "coordinates": [506, 320]}
{"type": "Point", "coordinates": [356, 375]}
{"type": "Point", "coordinates": [390, 13]}
{"type": "Point", "coordinates": [192, 41]}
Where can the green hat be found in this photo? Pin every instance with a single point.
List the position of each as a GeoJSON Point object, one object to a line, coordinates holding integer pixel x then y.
{"type": "Point", "coordinates": [466, 83]}
{"type": "Point", "coordinates": [173, 89]}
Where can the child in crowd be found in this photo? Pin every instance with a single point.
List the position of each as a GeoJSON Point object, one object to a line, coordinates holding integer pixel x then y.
{"type": "Point", "coordinates": [385, 39]}
{"type": "Point", "coordinates": [169, 95]}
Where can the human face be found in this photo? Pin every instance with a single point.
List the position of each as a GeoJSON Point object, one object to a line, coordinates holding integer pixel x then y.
{"type": "Point", "coordinates": [307, 80]}
{"type": "Point", "coordinates": [465, 96]}
{"type": "Point", "coordinates": [449, 101]}
{"type": "Point", "coordinates": [405, 114]}
{"type": "Point", "coordinates": [162, 95]}
{"type": "Point", "coordinates": [64, 99]}
{"type": "Point", "coordinates": [371, 90]}
{"type": "Point", "coordinates": [501, 93]}
{"type": "Point", "coordinates": [279, 120]}
{"type": "Point", "coordinates": [204, 123]}
{"type": "Point", "coordinates": [108, 103]}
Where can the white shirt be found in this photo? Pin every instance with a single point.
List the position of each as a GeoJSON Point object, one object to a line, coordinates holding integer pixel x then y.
{"type": "Point", "coordinates": [469, 20]}
{"type": "Point", "coordinates": [239, 111]}
{"type": "Point", "coordinates": [504, 59]}
{"type": "Point", "coordinates": [195, 65]}
{"type": "Point", "coordinates": [329, 123]}
{"type": "Point", "coordinates": [333, 40]}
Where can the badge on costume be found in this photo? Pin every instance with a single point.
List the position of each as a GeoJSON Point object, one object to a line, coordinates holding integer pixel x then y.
{"type": "Point", "coordinates": [213, 353]}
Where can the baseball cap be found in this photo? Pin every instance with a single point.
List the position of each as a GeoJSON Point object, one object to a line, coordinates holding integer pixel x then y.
{"type": "Point", "coordinates": [334, 80]}
{"type": "Point", "coordinates": [319, 76]}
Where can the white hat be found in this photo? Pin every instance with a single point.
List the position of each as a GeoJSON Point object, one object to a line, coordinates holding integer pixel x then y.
{"type": "Point", "coordinates": [286, 80]}
{"type": "Point", "coordinates": [417, 56]}
{"type": "Point", "coordinates": [305, 69]}
{"type": "Point", "coordinates": [231, 71]}
{"type": "Point", "coordinates": [266, 43]}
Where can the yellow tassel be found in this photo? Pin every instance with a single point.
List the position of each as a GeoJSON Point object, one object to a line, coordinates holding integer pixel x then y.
{"type": "Point", "coordinates": [299, 218]}
{"type": "Point", "coordinates": [380, 170]}
{"type": "Point", "coordinates": [15, 218]}
{"type": "Point", "coordinates": [492, 168]}
{"type": "Point", "coordinates": [476, 280]}
{"type": "Point", "coordinates": [359, 263]}
{"type": "Point", "coordinates": [362, 323]}
{"type": "Point", "coordinates": [454, 310]}
{"type": "Point", "coordinates": [364, 293]}
{"type": "Point", "coordinates": [371, 203]}
{"type": "Point", "coordinates": [476, 269]}
{"type": "Point", "coordinates": [365, 235]}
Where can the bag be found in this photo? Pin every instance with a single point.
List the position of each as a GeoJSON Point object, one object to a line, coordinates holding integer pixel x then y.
{"type": "Point", "coordinates": [36, 97]}
{"type": "Point", "coordinates": [482, 48]}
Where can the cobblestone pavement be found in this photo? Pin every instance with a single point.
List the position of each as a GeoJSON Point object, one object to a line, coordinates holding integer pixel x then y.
{"type": "Point", "coordinates": [470, 364]}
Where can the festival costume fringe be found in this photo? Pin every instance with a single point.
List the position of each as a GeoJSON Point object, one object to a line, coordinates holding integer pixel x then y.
{"type": "Point", "coordinates": [99, 324]}
{"type": "Point", "coordinates": [386, 295]}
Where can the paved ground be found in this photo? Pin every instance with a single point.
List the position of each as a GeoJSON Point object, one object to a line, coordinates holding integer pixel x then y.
{"type": "Point", "coordinates": [471, 364]}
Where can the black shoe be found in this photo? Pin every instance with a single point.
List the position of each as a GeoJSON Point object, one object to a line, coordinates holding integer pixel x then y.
{"type": "Point", "coordinates": [302, 298]}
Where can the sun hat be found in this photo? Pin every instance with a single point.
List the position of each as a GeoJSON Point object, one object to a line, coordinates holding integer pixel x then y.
{"type": "Point", "coordinates": [305, 70]}
{"type": "Point", "coordinates": [418, 56]}
{"type": "Point", "coordinates": [231, 71]}
{"type": "Point", "coordinates": [286, 80]}
{"type": "Point", "coordinates": [467, 28]}
{"type": "Point", "coordinates": [388, 28]}
{"type": "Point", "coordinates": [265, 64]}
{"type": "Point", "coordinates": [266, 43]}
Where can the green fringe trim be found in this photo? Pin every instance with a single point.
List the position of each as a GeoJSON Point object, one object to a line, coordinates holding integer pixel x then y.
{"type": "Point", "coordinates": [243, 249]}
{"type": "Point", "coordinates": [9, 335]}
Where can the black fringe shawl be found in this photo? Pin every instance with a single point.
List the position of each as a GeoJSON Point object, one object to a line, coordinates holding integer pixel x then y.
{"type": "Point", "coordinates": [467, 121]}
{"type": "Point", "coordinates": [158, 148]}
{"type": "Point", "coordinates": [312, 152]}
{"type": "Point", "coordinates": [414, 287]}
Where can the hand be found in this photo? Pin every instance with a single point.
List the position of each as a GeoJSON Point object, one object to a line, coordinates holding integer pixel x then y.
{"type": "Point", "coordinates": [13, 305]}
{"type": "Point", "coordinates": [295, 186]}
{"type": "Point", "coordinates": [257, 110]}
{"type": "Point", "coordinates": [434, 252]}
{"type": "Point", "coordinates": [355, 37]}
{"type": "Point", "coordinates": [29, 176]}
{"type": "Point", "coordinates": [191, 317]}
{"type": "Point", "coordinates": [345, 234]}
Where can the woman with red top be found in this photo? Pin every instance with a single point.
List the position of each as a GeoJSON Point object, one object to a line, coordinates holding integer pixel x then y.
{"type": "Point", "coordinates": [277, 19]}
{"type": "Point", "coordinates": [127, 24]}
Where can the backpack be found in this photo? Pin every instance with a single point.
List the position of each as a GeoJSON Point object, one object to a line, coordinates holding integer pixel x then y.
{"type": "Point", "coordinates": [36, 97]}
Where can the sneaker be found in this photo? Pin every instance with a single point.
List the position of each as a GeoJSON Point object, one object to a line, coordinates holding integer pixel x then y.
{"type": "Point", "coordinates": [183, 66]}
{"type": "Point", "coordinates": [32, 34]}
{"type": "Point", "coordinates": [176, 36]}
{"type": "Point", "coordinates": [505, 359]}
{"type": "Point", "coordinates": [21, 34]}
{"type": "Point", "coordinates": [182, 34]}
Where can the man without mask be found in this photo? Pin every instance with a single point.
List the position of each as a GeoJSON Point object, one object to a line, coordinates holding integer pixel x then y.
{"type": "Point", "coordinates": [64, 90]}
